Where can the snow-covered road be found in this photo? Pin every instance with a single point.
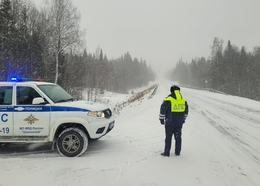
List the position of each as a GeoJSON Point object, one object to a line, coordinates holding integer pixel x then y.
{"type": "Point", "coordinates": [221, 146]}
{"type": "Point", "coordinates": [228, 131]}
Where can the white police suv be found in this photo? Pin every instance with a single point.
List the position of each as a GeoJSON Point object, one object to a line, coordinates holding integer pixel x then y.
{"type": "Point", "coordinates": [34, 111]}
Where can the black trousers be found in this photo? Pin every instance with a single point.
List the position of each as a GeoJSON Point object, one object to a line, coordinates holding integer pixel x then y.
{"type": "Point", "coordinates": [171, 130]}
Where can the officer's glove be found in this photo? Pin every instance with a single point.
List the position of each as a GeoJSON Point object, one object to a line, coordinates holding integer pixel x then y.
{"type": "Point", "coordinates": [162, 121]}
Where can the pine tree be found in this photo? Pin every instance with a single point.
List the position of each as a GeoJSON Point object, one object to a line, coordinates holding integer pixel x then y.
{"type": "Point", "coordinates": [6, 41]}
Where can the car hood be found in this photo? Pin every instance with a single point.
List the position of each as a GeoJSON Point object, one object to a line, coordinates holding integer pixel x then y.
{"type": "Point", "coordinates": [84, 105]}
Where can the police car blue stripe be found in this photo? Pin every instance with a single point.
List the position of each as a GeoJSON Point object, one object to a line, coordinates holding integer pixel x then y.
{"type": "Point", "coordinates": [58, 108]}
{"type": "Point", "coordinates": [35, 109]}
{"type": "Point", "coordinates": [7, 109]}
{"type": "Point", "coordinates": [41, 109]}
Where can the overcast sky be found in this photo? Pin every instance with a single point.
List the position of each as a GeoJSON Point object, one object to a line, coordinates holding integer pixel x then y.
{"type": "Point", "coordinates": [163, 31]}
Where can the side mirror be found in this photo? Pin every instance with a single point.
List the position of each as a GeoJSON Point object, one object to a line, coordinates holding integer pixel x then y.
{"type": "Point", "coordinates": [38, 101]}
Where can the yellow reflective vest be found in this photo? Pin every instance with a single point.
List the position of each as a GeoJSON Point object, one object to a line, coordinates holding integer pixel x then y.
{"type": "Point", "coordinates": [178, 104]}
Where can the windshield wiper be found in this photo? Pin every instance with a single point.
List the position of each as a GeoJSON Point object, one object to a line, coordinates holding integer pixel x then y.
{"type": "Point", "coordinates": [64, 100]}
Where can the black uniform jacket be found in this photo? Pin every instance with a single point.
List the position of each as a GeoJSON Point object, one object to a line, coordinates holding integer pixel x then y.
{"type": "Point", "coordinates": [173, 118]}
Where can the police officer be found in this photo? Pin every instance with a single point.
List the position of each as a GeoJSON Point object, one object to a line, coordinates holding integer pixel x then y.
{"type": "Point", "coordinates": [173, 113]}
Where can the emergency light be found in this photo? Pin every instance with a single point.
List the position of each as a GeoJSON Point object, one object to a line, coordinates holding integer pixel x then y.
{"type": "Point", "coordinates": [16, 79]}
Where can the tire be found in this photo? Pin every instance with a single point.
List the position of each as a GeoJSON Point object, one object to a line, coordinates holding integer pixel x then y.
{"type": "Point", "coordinates": [72, 142]}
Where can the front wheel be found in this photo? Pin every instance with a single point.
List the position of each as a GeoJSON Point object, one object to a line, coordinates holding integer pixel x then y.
{"type": "Point", "coordinates": [72, 142]}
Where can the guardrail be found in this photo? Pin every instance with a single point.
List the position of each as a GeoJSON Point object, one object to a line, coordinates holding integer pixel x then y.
{"type": "Point", "coordinates": [137, 97]}
{"type": "Point", "coordinates": [154, 91]}
{"type": "Point", "coordinates": [205, 89]}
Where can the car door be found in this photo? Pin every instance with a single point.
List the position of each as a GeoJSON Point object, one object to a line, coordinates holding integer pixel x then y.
{"type": "Point", "coordinates": [29, 119]}
{"type": "Point", "coordinates": [6, 111]}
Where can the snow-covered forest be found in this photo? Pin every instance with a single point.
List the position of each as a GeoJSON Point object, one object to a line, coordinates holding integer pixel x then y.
{"type": "Point", "coordinates": [231, 70]}
{"type": "Point", "coordinates": [47, 42]}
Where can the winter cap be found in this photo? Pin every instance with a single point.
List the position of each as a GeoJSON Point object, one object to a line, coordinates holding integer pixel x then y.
{"type": "Point", "coordinates": [174, 87]}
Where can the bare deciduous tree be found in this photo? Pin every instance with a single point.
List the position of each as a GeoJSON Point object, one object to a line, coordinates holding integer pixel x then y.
{"type": "Point", "coordinates": [64, 32]}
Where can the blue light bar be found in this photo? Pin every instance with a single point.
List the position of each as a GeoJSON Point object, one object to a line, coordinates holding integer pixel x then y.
{"type": "Point", "coordinates": [16, 79]}
{"type": "Point", "coordinates": [25, 79]}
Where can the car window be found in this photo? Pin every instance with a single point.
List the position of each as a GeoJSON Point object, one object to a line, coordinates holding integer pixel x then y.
{"type": "Point", "coordinates": [56, 93]}
{"type": "Point", "coordinates": [25, 95]}
{"type": "Point", "coordinates": [6, 95]}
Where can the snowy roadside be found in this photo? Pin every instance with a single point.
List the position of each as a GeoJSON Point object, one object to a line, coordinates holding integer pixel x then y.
{"type": "Point", "coordinates": [116, 101]}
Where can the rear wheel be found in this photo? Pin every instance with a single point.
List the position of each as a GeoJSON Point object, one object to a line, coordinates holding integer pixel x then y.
{"type": "Point", "coordinates": [72, 142]}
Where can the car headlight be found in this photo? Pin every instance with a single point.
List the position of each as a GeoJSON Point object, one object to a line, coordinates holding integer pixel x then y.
{"type": "Point", "coordinates": [98, 114]}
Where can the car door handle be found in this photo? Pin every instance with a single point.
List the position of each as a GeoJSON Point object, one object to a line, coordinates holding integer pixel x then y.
{"type": "Point", "coordinates": [19, 108]}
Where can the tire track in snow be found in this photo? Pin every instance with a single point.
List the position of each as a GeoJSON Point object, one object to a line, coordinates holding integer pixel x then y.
{"type": "Point", "coordinates": [227, 128]}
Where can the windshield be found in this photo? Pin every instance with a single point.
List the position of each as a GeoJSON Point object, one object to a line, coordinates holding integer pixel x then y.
{"type": "Point", "coordinates": [56, 93]}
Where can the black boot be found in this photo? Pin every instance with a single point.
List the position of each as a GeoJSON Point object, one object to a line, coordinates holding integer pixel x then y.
{"type": "Point", "coordinates": [164, 154]}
